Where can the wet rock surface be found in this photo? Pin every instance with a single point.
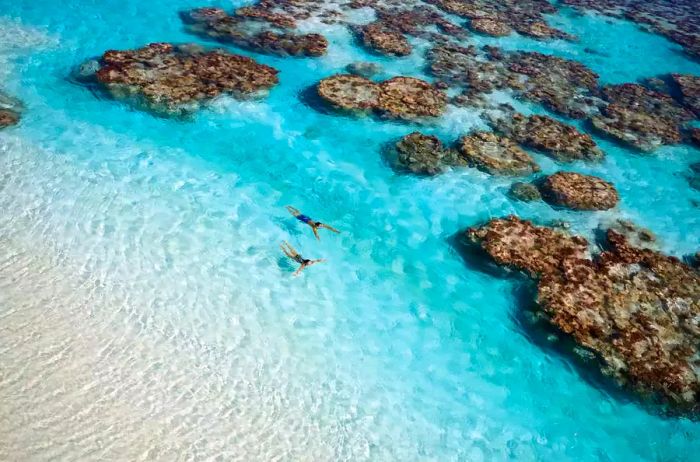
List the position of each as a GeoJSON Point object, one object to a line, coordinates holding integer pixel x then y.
{"type": "Point", "coordinates": [364, 69]}
{"type": "Point", "coordinates": [543, 133]}
{"type": "Point", "coordinates": [256, 29]}
{"type": "Point", "coordinates": [490, 26]}
{"type": "Point", "coordinates": [400, 97]}
{"type": "Point", "coordinates": [635, 235]}
{"type": "Point", "coordinates": [640, 117]}
{"type": "Point", "coordinates": [495, 154]}
{"type": "Point", "coordinates": [579, 192]}
{"type": "Point", "coordinates": [636, 309]}
{"type": "Point", "coordinates": [172, 79]}
{"type": "Point", "coordinates": [425, 155]}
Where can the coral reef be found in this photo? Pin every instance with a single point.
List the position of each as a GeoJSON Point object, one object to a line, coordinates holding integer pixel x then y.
{"type": "Point", "coordinates": [174, 79]}
{"type": "Point", "coordinates": [400, 97]}
{"type": "Point", "coordinates": [557, 139]}
{"type": "Point", "coordinates": [525, 192]}
{"type": "Point", "coordinates": [579, 192]}
{"type": "Point", "coordinates": [641, 117]}
{"type": "Point", "coordinates": [10, 110]}
{"type": "Point", "coordinates": [637, 309]}
{"type": "Point", "coordinates": [424, 154]}
{"type": "Point", "coordinates": [256, 29]}
{"type": "Point", "coordinates": [495, 154]}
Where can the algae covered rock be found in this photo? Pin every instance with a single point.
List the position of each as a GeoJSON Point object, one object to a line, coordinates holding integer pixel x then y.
{"type": "Point", "coordinates": [579, 192]}
{"type": "Point", "coordinates": [425, 154]}
{"type": "Point", "coordinates": [525, 192]}
{"type": "Point", "coordinates": [349, 92]}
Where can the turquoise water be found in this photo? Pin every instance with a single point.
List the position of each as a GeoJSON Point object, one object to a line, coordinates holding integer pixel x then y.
{"type": "Point", "coordinates": [146, 312]}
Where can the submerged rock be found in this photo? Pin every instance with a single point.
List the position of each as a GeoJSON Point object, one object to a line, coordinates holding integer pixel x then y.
{"type": "Point", "coordinates": [637, 309]}
{"type": "Point", "coordinates": [399, 97]}
{"type": "Point", "coordinates": [8, 118]}
{"type": "Point", "coordinates": [174, 79]}
{"type": "Point", "coordinates": [635, 235]}
{"type": "Point", "coordinates": [525, 192]}
{"type": "Point", "coordinates": [496, 155]}
{"type": "Point", "coordinates": [579, 192]}
{"type": "Point", "coordinates": [424, 154]}
{"type": "Point", "coordinates": [256, 29]}
{"type": "Point", "coordinates": [10, 110]}
{"type": "Point", "coordinates": [557, 139]}
{"type": "Point", "coordinates": [364, 69]}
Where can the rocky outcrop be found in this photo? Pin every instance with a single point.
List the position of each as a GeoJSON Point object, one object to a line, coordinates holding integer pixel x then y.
{"type": "Point", "coordinates": [173, 79]}
{"type": "Point", "coordinates": [384, 41]}
{"type": "Point", "coordinates": [256, 29]}
{"type": "Point", "coordinates": [495, 154]}
{"type": "Point", "coordinates": [640, 117]}
{"type": "Point", "coordinates": [636, 309]}
{"type": "Point", "coordinates": [579, 192]}
{"type": "Point", "coordinates": [425, 155]}
{"type": "Point", "coordinates": [556, 139]}
{"type": "Point", "coordinates": [399, 97]}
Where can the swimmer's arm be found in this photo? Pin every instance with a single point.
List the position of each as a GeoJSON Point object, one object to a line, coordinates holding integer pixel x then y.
{"type": "Point", "coordinates": [293, 211]}
{"type": "Point", "coordinates": [315, 229]}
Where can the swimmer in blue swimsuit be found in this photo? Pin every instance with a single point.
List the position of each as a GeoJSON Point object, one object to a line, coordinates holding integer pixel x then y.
{"type": "Point", "coordinates": [294, 255]}
{"type": "Point", "coordinates": [315, 225]}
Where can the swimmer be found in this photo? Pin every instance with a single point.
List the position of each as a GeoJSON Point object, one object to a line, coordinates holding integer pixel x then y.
{"type": "Point", "coordinates": [294, 255]}
{"type": "Point", "coordinates": [315, 225]}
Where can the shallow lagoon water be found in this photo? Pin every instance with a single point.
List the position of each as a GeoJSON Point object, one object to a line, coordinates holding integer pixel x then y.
{"type": "Point", "coordinates": [146, 312]}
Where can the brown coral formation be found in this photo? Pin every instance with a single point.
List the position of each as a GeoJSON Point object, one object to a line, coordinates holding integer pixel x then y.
{"type": "Point", "coordinates": [424, 154]}
{"type": "Point", "coordinates": [637, 309]}
{"type": "Point", "coordinates": [490, 26]}
{"type": "Point", "coordinates": [496, 155]}
{"type": "Point", "coordinates": [408, 98]}
{"type": "Point", "coordinates": [175, 79]}
{"type": "Point", "coordinates": [384, 41]}
{"type": "Point", "coordinates": [579, 192]}
{"type": "Point", "coordinates": [399, 97]}
{"type": "Point", "coordinates": [10, 110]}
{"type": "Point", "coordinates": [256, 29]}
{"type": "Point", "coordinates": [557, 139]}
{"type": "Point", "coordinates": [524, 16]}
{"type": "Point", "coordinates": [561, 85]}
{"type": "Point", "coordinates": [641, 117]}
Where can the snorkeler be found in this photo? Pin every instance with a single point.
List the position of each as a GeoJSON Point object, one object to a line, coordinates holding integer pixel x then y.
{"type": "Point", "coordinates": [294, 255]}
{"type": "Point", "coordinates": [315, 225]}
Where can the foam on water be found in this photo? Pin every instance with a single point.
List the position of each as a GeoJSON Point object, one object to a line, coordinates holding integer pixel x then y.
{"type": "Point", "coordinates": [146, 312]}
